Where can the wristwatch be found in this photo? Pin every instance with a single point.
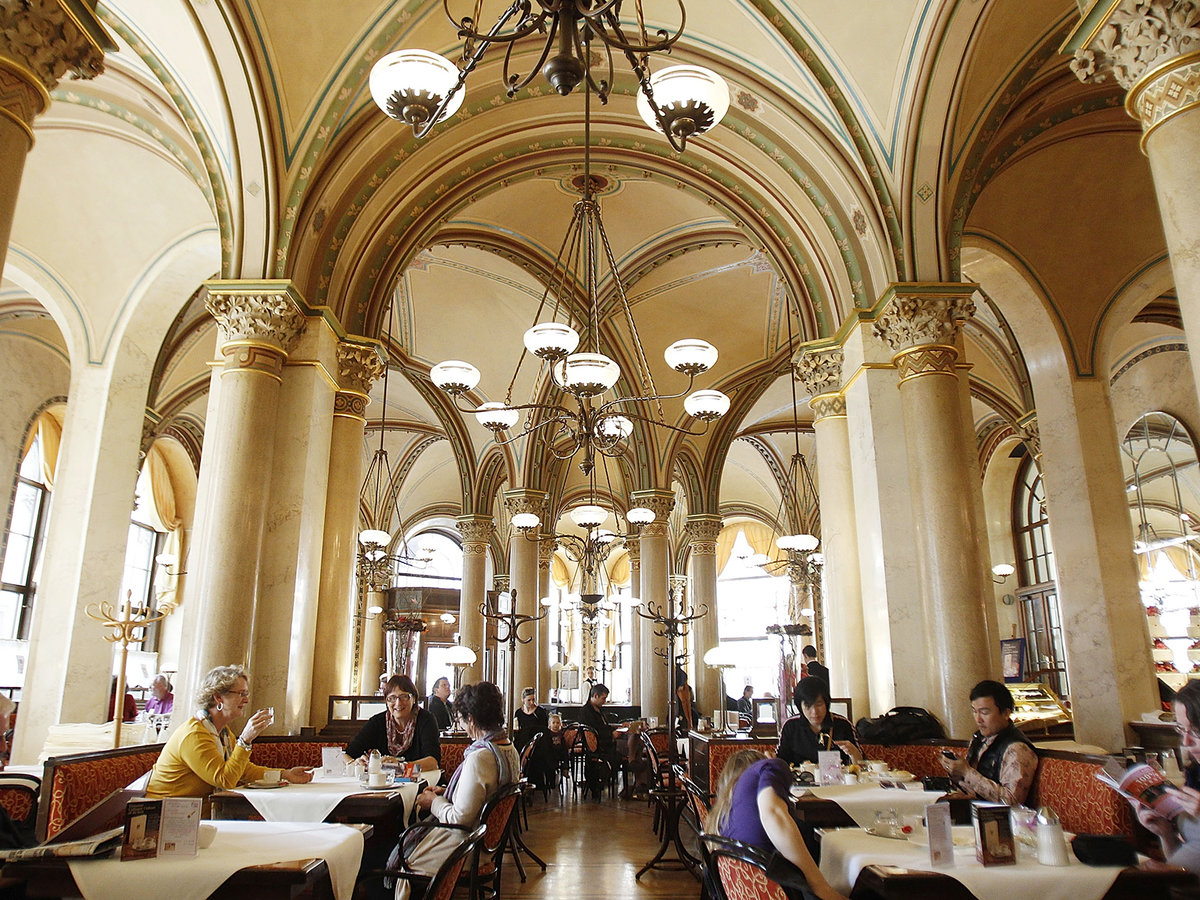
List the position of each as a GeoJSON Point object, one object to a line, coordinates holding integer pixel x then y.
{"type": "Point", "coordinates": [243, 743]}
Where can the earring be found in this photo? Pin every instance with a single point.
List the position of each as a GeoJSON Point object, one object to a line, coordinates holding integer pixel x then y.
{"type": "Point", "coordinates": [220, 706]}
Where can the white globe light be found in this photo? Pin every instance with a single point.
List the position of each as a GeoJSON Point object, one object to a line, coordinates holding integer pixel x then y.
{"type": "Point", "coordinates": [640, 515]}
{"type": "Point", "coordinates": [588, 516]}
{"type": "Point", "coordinates": [693, 99]}
{"type": "Point", "coordinates": [454, 376]}
{"type": "Point", "coordinates": [719, 657]}
{"type": "Point", "coordinates": [604, 536]}
{"type": "Point", "coordinates": [706, 405]}
{"type": "Point", "coordinates": [525, 521]}
{"type": "Point", "coordinates": [802, 542]}
{"type": "Point", "coordinates": [614, 428]}
{"type": "Point", "coordinates": [587, 374]}
{"type": "Point", "coordinates": [458, 655]}
{"type": "Point", "coordinates": [374, 536]}
{"type": "Point", "coordinates": [551, 340]}
{"type": "Point", "coordinates": [409, 85]}
{"type": "Point", "coordinates": [496, 415]}
{"type": "Point", "coordinates": [691, 356]}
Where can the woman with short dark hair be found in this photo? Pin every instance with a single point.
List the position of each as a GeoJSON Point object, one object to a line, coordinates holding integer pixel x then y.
{"type": "Point", "coordinates": [402, 731]}
{"type": "Point", "coordinates": [816, 728]}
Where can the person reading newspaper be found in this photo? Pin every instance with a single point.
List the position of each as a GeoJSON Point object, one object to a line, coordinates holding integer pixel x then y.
{"type": "Point", "coordinates": [1175, 817]}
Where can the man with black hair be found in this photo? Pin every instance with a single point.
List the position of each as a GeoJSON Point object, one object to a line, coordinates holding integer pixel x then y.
{"type": "Point", "coordinates": [1001, 761]}
{"type": "Point", "coordinates": [812, 667]}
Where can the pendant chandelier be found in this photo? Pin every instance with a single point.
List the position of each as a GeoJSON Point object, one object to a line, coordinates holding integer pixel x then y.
{"type": "Point", "coordinates": [422, 88]}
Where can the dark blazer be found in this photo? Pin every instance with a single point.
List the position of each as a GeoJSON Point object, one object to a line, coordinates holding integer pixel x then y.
{"type": "Point", "coordinates": [440, 710]}
{"type": "Point", "coordinates": [798, 743]}
{"type": "Point", "coordinates": [816, 670]}
{"type": "Point", "coordinates": [373, 736]}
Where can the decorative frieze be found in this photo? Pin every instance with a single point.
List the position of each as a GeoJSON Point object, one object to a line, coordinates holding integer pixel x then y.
{"type": "Point", "coordinates": [826, 406]}
{"type": "Point", "coordinates": [271, 318]}
{"type": "Point", "coordinates": [820, 371]}
{"type": "Point", "coordinates": [359, 366]}
{"type": "Point", "coordinates": [350, 404]}
{"type": "Point", "coordinates": [42, 37]}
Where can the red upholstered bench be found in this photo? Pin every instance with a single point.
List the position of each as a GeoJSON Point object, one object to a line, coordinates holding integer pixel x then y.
{"type": "Point", "coordinates": [1066, 782]}
{"type": "Point", "coordinates": [74, 783]}
{"type": "Point", "coordinates": [285, 751]}
{"type": "Point", "coordinates": [920, 757]}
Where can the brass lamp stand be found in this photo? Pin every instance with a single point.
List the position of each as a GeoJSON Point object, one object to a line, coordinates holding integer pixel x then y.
{"type": "Point", "coordinates": [123, 632]}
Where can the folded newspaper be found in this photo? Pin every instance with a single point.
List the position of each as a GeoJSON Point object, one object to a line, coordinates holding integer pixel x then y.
{"type": "Point", "coordinates": [96, 845]}
{"type": "Point", "coordinates": [1142, 784]}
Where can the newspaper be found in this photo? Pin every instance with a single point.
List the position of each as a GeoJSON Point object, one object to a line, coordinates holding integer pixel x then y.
{"type": "Point", "coordinates": [1142, 784]}
{"type": "Point", "coordinates": [96, 845]}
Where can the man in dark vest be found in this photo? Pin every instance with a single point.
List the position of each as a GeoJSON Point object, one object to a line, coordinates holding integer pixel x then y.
{"type": "Point", "coordinates": [1000, 762]}
{"type": "Point", "coordinates": [812, 666]}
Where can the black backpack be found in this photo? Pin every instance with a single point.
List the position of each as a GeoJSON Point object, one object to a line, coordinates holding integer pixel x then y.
{"type": "Point", "coordinates": [899, 726]}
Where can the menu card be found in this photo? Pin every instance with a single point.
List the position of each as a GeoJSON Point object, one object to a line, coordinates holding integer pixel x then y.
{"type": "Point", "coordinates": [332, 762]}
{"type": "Point", "coordinates": [167, 827]}
{"type": "Point", "coordinates": [994, 845]}
{"type": "Point", "coordinates": [829, 767]}
{"type": "Point", "coordinates": [938, 826]}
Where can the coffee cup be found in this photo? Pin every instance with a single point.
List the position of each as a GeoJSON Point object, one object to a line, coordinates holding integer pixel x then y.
{"type": "Point", "coordinates": [208, 834]}
{"type": "Point", "coordinates": [849, 778]}
{"type": "Point", "coordinates": [878, 766]}
{"type": "Point", "coordinates": [377, 779]}
{"type": "Point", "coordinates": [272, 776]}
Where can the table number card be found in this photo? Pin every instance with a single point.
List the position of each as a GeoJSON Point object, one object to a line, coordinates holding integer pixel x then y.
{"type": "Point", "coordinates": [829, 767]}
{"type": "Point", "coordinates": [332, 762]}
{"type": "Point", "coordinates": [941, 837]}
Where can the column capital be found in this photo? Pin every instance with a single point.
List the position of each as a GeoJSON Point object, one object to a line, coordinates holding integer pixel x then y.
{"type": "Point", "coordinates": [360, 365]}
{"type": "Point", "coordinates": [702, 533]}
{"type": "Point", "coordinates": [256, 312]}
{"type": "Point", "coordinates": [50, 38]}
{"type": "Point", "coordinates": [661, 503]}
{"type": "Point", "coordinates": [476, 533]}
{"type": "Point", "coordinates": [828, 406]}
{"type": "Point", "coordinates": [917, 314]}
{"type": "Point", "coordinates": [819, 370]}
{"type": "Point", "coordinates": [1027, 430]}
{"type": "Point", "coordinates": [633, 546]}
{"type": "Point", "coordinates": [1132, 38]}
{"type": "Point", "coordinates": [526, 500]}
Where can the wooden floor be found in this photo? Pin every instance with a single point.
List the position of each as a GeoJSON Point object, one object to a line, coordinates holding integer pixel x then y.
{"type": "Point", "coordinates": [592, 852]}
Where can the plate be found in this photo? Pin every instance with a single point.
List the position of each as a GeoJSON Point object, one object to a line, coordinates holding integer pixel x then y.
{"type": "Point", "coordinates": [265, 785]}
{"type": "Point", "coordinates": [962, 835]}
{"type": "Point", "coordinates": [382, 787]}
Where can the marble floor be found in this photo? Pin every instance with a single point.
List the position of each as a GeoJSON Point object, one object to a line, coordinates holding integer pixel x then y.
{"type": "Point", "coordinates": [592, 852]}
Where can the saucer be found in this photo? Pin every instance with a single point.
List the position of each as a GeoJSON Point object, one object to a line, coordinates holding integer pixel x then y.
{"type": "Point", "coordinates": [265, 785]}
{"type": "Point", "coordinates": [381, 787]}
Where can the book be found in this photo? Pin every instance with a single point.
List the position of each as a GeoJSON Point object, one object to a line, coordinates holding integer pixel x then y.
{"type": "Point", "coordinates": [96, 845]}
{"type": "Point", "coordinates": [1142, 784]}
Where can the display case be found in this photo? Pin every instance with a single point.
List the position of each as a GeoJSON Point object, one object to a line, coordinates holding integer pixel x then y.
{"type": "Point", "coordinates": [1037, 707]}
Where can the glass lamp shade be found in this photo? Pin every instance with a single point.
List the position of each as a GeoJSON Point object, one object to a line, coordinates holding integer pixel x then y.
{"type": "Point", "coordinates": [640, 515]}
{"type": "Point", "coordinates": [1003, 570]}
{"type": "Point", "coordinates": [614, 428]}
{"type": "Point", "coordinates": [448, 618]}
{"type": "Point", "coordinates": [525, 521]}
{"type": "Point", "coordinates": [719, 657]}
{"type": "Point", "coordinates": [409, 85]}
{"type": "Point", "coordinates": [587, 374]}
{"type": "Point", "coordinates": [551, 340]}
{"type": "Point", "coordinates": [604, 536]}
{"type": "Point", "coordinates": [374, 610]}
{"type": "Point", "coordinates": [691, 356]}
{"type": "Point", "coordinates": [374, 555]}
{"type": "Point", "coordinates": [496, 415]}
{"type": "Point", "coordinates": [817, 559]}
{"type": "Point", "coordinates": [374, 536]}
{"type": "Point", "coordinates": [802, 542]}
{"type": "Point", "coordinates": [693, 99]}
{"type": "Point", "coordinates": [454, 376]}
{"type": "Point", "coordinates": [588, 516]}
{"type": "Point", "coordinates": [706, 405]}
{"type": "Point", "coordinates": [458, 655]}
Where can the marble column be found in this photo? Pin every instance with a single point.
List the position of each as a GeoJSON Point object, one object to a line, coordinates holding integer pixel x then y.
{"type": "Point", "coordinates": [39, 44]}
{"type": "Point", "coordinates": [544, 659]}
{"type": "Point", "coordinates": [372, 663]}
{"type": "Point", "coordinates": [920, 323]}
{"type": "Point", "coordinates": [702, 533]}
{"type": "Point", "coordinates": [523, 578]}
{"type": "Point", "coordinates": [476, 534]}
{"type": "Point", "coordinates": [820, 371]}
{"type": "Point", "coordinates": [257, 329]}
{"type": "Point", "coordinates": [1149, 47]}
{"type": "Point", "coordinates": [633, 546]}
{"type": "Point", "coordinates": [359, 365]}
{"type": "Point", "coordinates": [655, 558]}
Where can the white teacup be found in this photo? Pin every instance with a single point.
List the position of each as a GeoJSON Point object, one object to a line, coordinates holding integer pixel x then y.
{"type": "Point", "coordinates": [208, 834]}
{"type": "Point", "coordinates": [878, 766]}
{"type": "Point", "coordinates": [272, 776]}
{"type": "Point", "coordinates": [377, 779]}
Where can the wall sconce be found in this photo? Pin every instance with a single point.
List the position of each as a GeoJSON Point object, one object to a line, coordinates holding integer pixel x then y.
{"type": "Point", "coordinates": [1001, 572]}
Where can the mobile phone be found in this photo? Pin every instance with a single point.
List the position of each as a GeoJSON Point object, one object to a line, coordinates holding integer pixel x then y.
{"type": "Point", "coordinates": [949, 754]}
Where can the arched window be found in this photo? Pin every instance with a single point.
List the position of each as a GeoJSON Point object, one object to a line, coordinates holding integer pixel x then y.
{"type": "Point", "coordinates": [1038, 592]}
{"type": "Point", "coordinates": [749, 599]}
{"type": "Point", "coordinates": [22, 546]}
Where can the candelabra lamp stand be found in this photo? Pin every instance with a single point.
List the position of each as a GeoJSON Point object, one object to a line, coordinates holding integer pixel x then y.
{"type": "Point", "coordinates": [508, 624]}
{"type": "Point", "coordinates": [672, 622]}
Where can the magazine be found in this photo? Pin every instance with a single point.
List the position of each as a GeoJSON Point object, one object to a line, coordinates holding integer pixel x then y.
{"type": "Point", "coordinates": [1142, 784]}
{"type": "Point", "coordinates": [96, 845]}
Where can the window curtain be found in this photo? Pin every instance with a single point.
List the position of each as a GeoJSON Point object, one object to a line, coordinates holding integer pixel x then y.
{"type": "Point", "coordinates": [48, 429]}
{"type": "Point", "coordinates": [759, 536]}
{"type": "Point", "coordinates": [155, 484]}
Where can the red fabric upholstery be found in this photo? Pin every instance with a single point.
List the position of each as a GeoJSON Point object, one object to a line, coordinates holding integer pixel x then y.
{"type": "Point", "coordinates": [77, 786]}
{"type": "Point", "coordinates": [452, 757]}
{"type": "Point", "coordinates": [286, 754]}
{"type": "Point", "coordinates": [1084, 804]}
{"type": "Point", "coordinates": [743, 881]}
{"type": "Point", "coordinates": [719, 753]}
{"type": "Point", "coordinates": [920, 759]}
{"type": "Point", "coordinates": [19, 801]}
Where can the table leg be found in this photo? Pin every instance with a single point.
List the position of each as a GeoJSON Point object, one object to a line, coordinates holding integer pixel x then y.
{"type": "Point", "coordinates": [671, 802]}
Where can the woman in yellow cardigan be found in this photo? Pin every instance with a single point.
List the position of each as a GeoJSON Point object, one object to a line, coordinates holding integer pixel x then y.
{"type": "Point", "coordinates": [201, 755]}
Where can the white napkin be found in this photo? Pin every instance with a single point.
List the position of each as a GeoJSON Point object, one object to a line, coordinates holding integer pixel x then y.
{"type": "Point", "coordinates": [861, 801]}
{"type": "Point", "coordinates": [236, 846]}
{"type": "Point", "coordinates": [310, 802]}
{"type": "Point", "coordinates": [846, 852]}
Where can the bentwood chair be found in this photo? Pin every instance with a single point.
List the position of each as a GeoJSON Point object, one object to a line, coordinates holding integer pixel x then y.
{"type": "Point", "coordinates": [737, 871]}
{"type": "Point", "coordinates": [439, 886]}
{"type": "Point", "coordinates": [498, 822]}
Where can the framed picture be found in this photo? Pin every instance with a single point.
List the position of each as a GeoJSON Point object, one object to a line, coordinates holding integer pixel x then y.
{"type": "Point", "coordinates": [1012, 659]}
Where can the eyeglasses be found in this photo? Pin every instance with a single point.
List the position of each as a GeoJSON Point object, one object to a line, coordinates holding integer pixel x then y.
{"type": "Point", "coordinates": [396, 698]}
{"type": "Point", "coordinates": [1186, 732]}
{"type": "Point", "coordinates": [243, 694]}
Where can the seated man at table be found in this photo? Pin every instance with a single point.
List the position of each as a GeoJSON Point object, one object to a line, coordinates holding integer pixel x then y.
{"type": "Point", "coordinates": [601, 764]}
{"type": "Point", "coordinates": [816, 728]}
{"type": "Point", "coordinates": [1000, 762]}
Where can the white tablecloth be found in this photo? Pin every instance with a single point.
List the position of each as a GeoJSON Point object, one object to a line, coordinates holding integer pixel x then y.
{"type": "Point", "coordinates": [236, 846]}
{"type": "Point", "coordinates": [846, 851]}
{"type": "Point", "coordinates": [314, 801]}
{"type": "Point", "coordinates": [861, 801]}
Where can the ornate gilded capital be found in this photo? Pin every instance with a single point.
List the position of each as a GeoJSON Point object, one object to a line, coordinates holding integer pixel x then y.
{"type": "Point", "coordinates": [702, 534]}
{"type": "Point", "coordinates": [525, 501]}
{"type": "Point", "coordinates": [359, 365]}
{"type": "Point", "coordinates": [828, 406]}
{"type": "Point", "coordinates": [49, 39]}
{"type": "Point", "coordinates": [633, 546]}
{"type": "Point", "coordinates": [476, 532]}
{"type": "Point", "coordinates": [914, 317]}
{"type": "Point", "coordinates": [820, 371]}
{"type": "Point", "coordinates": [660, 503]}
{"type": "Point", "coordinates": [1135, 37]}
{"type": "Point", "coordinates": [265, 317]}
{"type": "Point", "coordinates": [1027, 428]}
